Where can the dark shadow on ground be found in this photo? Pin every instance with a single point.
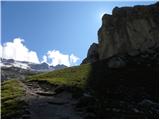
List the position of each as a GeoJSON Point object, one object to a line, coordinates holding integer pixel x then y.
{"type": "Point", "coordinates": [129, 90]}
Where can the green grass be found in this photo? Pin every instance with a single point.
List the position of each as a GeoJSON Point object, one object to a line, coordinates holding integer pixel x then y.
{"type": "Point", "coordinates": [73, 76]}
{"type": "Point", "coordinates": [11, 98]}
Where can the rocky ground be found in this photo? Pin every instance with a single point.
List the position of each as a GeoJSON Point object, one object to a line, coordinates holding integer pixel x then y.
{"type": "Point", "coordinates": [47, 101]}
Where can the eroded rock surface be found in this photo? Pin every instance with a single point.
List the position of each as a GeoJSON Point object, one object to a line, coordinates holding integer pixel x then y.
{"type": "Point", "coordinates": [127, 29]}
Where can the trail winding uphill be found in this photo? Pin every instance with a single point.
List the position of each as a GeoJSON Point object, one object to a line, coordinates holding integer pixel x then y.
{"type": "Point", "coordinates": [44, 102]}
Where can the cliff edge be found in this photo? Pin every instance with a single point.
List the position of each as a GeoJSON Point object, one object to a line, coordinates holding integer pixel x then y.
{"type": "Point", "coordinates": [128, 29]}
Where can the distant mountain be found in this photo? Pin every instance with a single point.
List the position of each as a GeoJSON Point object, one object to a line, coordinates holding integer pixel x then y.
{"type": "Point", "coordinates": [42, 66]}
{"type": "Point", "coordinates": [45, 67]}
{"type": "Point", "coordinates": [13, 63]}
{"type": "Point", "coordinates": [12, 69]}
{"type": "Point", "coordinates": [28, 65]}
{"type": "Point", "coordinates": [58, 67]}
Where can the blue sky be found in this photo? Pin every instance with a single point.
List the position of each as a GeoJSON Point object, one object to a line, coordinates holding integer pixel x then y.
{"type": "Point", "coordinates": [68, 27]}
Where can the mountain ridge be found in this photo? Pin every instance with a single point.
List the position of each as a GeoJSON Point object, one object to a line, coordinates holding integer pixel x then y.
{"type": "Point", "coordinates": [30, 66]}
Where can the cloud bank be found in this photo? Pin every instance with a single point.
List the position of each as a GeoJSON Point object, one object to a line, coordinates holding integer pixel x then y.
{"type": "Point", "coordinates": [18, 51]}
{"type": "Point", "coordinates": [56, 57]}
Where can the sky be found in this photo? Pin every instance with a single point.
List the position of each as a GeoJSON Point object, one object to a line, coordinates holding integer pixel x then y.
{"type": "Point", "coordinates": [53, 32]}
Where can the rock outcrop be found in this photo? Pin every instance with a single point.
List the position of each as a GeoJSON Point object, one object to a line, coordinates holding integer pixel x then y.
{"type": "Point", "coordinates": [125, 76]}
{"type": "Point", "coordinates": [127, 30]}
{"type": "Point", "coordinates": [92, 54]}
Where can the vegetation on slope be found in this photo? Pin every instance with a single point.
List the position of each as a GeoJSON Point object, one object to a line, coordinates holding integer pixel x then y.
{"type": "Point", "coordinates": [73, 76]}
{"type": "Point", "coordinates": [12, 99]}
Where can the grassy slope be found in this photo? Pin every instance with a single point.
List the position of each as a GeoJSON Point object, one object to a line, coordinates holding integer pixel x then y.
{"type": "Point", "coordinates": [11, 98]}
{"type": "Point", "coordinates": [73, 76]}
{"type": "Point", "coordinates": [13, 92]}
{"type": "Point", "coordinates": [101, 78]}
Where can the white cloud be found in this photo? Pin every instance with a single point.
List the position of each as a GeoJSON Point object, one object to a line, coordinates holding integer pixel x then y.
{"type": "Point", "coordinates": [18, 51]}
{"type": "Point", "coordinates": [56, 57]}
{"type": "Point", "coordinates": [0, 50]}
{"type": "Point", "coordinates": [73, 59]}
{"type": "Point", "coordinates": [44, 59]}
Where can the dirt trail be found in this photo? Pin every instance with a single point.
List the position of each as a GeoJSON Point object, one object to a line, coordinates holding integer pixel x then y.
{"type": "Point", "coordinates": [43, 103]}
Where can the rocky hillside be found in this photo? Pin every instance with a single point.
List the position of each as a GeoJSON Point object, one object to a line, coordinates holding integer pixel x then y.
{"type": "Point", "coordinates": [127, 30]}
{"type": "Point", "coordinates": [8, 73]}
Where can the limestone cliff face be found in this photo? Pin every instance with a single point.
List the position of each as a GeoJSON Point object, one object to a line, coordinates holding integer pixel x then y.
{"type": "Point", "coordinates": [129, 29]}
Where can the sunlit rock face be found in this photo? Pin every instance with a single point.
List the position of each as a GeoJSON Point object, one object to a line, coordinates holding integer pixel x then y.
{"type": "Point", "coordinates": [129, 29]}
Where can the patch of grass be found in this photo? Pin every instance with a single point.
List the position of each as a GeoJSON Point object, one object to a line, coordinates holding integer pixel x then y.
{"type": "Point", "coordinates": [73, 76]}
{"type": "Point", "coordinates": [11, 98]}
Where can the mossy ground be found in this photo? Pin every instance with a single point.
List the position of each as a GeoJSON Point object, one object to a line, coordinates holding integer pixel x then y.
{"type": "Point", "coordinates": [11, 98]}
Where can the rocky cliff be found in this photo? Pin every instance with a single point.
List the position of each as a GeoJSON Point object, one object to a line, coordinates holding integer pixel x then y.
{"type": "Point", "coordinates": [92, 55]}
{"type": "Point", "coordinates": [124, 76]}
{"type": "Point", "coordinates": [127, 30]}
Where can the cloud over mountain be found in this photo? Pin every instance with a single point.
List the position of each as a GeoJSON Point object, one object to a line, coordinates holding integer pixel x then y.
{"type": "Point", "coordinates": [18, 51]}
{"type": "Point", "coordinates": [56, 57]}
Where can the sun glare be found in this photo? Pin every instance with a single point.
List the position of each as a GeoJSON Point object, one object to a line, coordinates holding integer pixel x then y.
{"type": "Point", "coordinates": [101, 14]}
